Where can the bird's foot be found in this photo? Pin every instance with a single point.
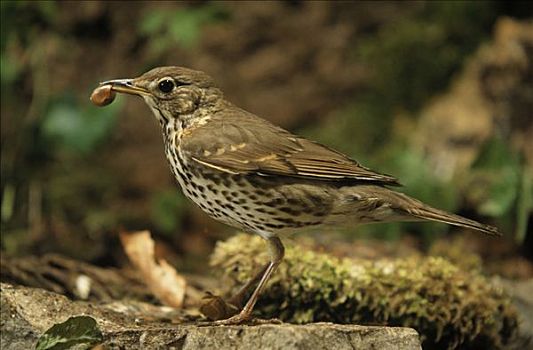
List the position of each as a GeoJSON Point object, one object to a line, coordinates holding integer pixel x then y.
{"type": "Point", "coordinates": [240, 319]}
{"type": "Point", "coordinates": [226, 314]}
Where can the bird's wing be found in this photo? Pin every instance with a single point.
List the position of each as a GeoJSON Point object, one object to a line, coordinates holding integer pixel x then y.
{"type": "Point", "coordinates": [250, 145]}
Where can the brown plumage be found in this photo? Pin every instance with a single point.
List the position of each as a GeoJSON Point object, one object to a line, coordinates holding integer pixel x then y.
{"type": "Point", "coordinates": [251, 145]}
{"type": "Point", "coordinates": [248, 173]}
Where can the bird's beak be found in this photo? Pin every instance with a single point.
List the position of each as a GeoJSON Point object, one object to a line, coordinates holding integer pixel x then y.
{"type": "Point", "coordinates": [127, 86]}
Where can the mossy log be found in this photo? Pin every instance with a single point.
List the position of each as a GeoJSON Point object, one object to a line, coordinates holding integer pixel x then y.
{"type": "Point", "coordinates": [448, 306]}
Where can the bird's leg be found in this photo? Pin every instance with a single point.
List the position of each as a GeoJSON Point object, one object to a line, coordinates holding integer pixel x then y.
{"type": "Point", "coordinates": [277, 252]}
{"type": "Point", "coordinates": [238, 298]}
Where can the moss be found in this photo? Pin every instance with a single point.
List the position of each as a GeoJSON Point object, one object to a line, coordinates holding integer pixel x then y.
{"type": "Point", "coordinates": [456, 249]}
{"type": "Point", "coordinates": [446, 305]}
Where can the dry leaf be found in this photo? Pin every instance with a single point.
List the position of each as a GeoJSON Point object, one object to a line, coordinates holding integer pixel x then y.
{"type": "Point", "coordinates": [163, 280]}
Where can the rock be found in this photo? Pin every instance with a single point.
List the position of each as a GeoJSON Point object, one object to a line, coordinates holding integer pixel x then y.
{"type": "Point", "coordinates": [28, 312]}
{"type": "Point", "coordinates": [285, 336]}
{"type": "Point", "coordinates": [522, 294]}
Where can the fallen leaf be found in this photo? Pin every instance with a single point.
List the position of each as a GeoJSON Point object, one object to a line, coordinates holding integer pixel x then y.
{"type": "Point", "coordinates": [73, 332]}
{"type": "Point", "coordinates": [216, 308]}
{"type": "Point", "coordinates": [161, 278]}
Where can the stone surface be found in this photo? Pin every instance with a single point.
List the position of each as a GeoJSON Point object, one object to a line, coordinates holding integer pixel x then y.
{"type": "Point", "coordinates": [27, 312]}
{"type": "Point", "coordinates": [522, 294]}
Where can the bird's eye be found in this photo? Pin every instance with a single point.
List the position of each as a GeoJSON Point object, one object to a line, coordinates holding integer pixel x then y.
{"type": "Point", "coordinates": [166, 85]}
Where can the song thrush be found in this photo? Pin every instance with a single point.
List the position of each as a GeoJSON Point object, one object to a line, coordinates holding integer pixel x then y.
{"type": "Point", "coordinates": [257, 177]}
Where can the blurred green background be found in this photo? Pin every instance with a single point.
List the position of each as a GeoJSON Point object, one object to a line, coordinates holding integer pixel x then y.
{"type": "Point", "coordinates": [438, 94]}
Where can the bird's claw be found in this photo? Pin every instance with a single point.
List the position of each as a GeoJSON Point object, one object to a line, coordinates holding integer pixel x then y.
{"type": "Point", "coordinates": [238, 319]}
{"type": "Point", "coordinates": [241, 319]}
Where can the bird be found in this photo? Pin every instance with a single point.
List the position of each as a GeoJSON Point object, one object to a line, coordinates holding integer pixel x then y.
{"type": "Point", "coordinates": [248, 173]}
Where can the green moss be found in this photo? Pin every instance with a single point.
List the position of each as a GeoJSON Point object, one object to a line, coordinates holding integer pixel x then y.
{"type": "Point", "coordinates": [446, 305]}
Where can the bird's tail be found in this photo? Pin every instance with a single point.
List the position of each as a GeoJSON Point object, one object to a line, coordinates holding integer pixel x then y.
{"type": "Point", "coordinates": [428, 213]}
{"type": "Point", "coordinates": [404, 208]}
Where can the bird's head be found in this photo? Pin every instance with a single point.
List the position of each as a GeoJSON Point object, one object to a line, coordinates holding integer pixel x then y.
{"type": "Point", "coordinates": [171, 92]}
